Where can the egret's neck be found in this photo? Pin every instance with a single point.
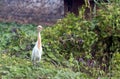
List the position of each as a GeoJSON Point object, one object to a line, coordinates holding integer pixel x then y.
{"type": "Point", "coordinates": [39, 40]}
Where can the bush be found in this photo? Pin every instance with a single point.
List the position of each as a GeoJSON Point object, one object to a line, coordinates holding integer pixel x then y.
{"type": "Point", "coordinates": [94, 40]}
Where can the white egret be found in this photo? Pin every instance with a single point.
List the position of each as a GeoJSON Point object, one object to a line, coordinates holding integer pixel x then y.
{"type": "Point", "coordinates": [37, 50]}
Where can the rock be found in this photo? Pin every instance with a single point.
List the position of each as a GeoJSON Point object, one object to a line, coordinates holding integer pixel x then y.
{"type": "Point", "coordinates": [20, 10]}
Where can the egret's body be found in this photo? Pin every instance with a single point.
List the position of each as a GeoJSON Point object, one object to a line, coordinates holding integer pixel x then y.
{"type": "Point", "coordinates": [37, 50]}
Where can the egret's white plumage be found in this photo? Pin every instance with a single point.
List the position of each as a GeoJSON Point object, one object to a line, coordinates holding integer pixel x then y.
{"type": "Point", "coordinates": [37, 50]}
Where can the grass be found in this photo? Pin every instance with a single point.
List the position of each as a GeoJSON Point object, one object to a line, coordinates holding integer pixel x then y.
{"type": "Point", "coordinates": [17, 68]}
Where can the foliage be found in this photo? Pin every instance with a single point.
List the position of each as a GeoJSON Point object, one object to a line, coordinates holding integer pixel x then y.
{"type": "Point", "coordinates": [94, 41]}
{"type": "Point", "coordinates": [16, 39]}
{"type": "Point", "coordinates": [17, 42]}
{"type": "Point", "coordinates": [71, 46]}
{"type": "Point", "coordinates": [107, 26]}
{"type": "Point", "coordinates": [12, 68]}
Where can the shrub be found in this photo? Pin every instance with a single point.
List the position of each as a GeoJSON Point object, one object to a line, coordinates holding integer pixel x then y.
{"type": "Point", "coordinates": [94, 40]}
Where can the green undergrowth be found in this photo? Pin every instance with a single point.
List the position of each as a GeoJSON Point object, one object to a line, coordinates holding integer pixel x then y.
{"type": "Point", "coordinates": [14, 67]}
{"type": "Point", "coordinates": [15, 61]}
{"type": "Point", "coordinates": [17, 41]}
{"type": "Point", "coordinates": [17, 68]}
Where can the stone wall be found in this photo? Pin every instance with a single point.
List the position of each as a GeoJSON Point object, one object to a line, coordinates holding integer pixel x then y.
{"type": "Point", "coordinates": [31, 11]}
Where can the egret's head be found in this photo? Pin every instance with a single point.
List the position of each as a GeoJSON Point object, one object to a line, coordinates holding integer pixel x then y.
{"type": "Point", "coordinates": [39, 28]}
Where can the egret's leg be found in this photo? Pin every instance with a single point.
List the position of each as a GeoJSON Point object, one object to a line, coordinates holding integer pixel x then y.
{"type": "Point", "coordinates": [38, 64]}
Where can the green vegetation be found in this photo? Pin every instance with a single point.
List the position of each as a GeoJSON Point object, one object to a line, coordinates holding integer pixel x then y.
{"type": "Point", "coordinates": [13, 67]}
{"type": "Point", "coordinates": [74, 48]}
{"type": "Point", "coordinates": [16, 45]}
